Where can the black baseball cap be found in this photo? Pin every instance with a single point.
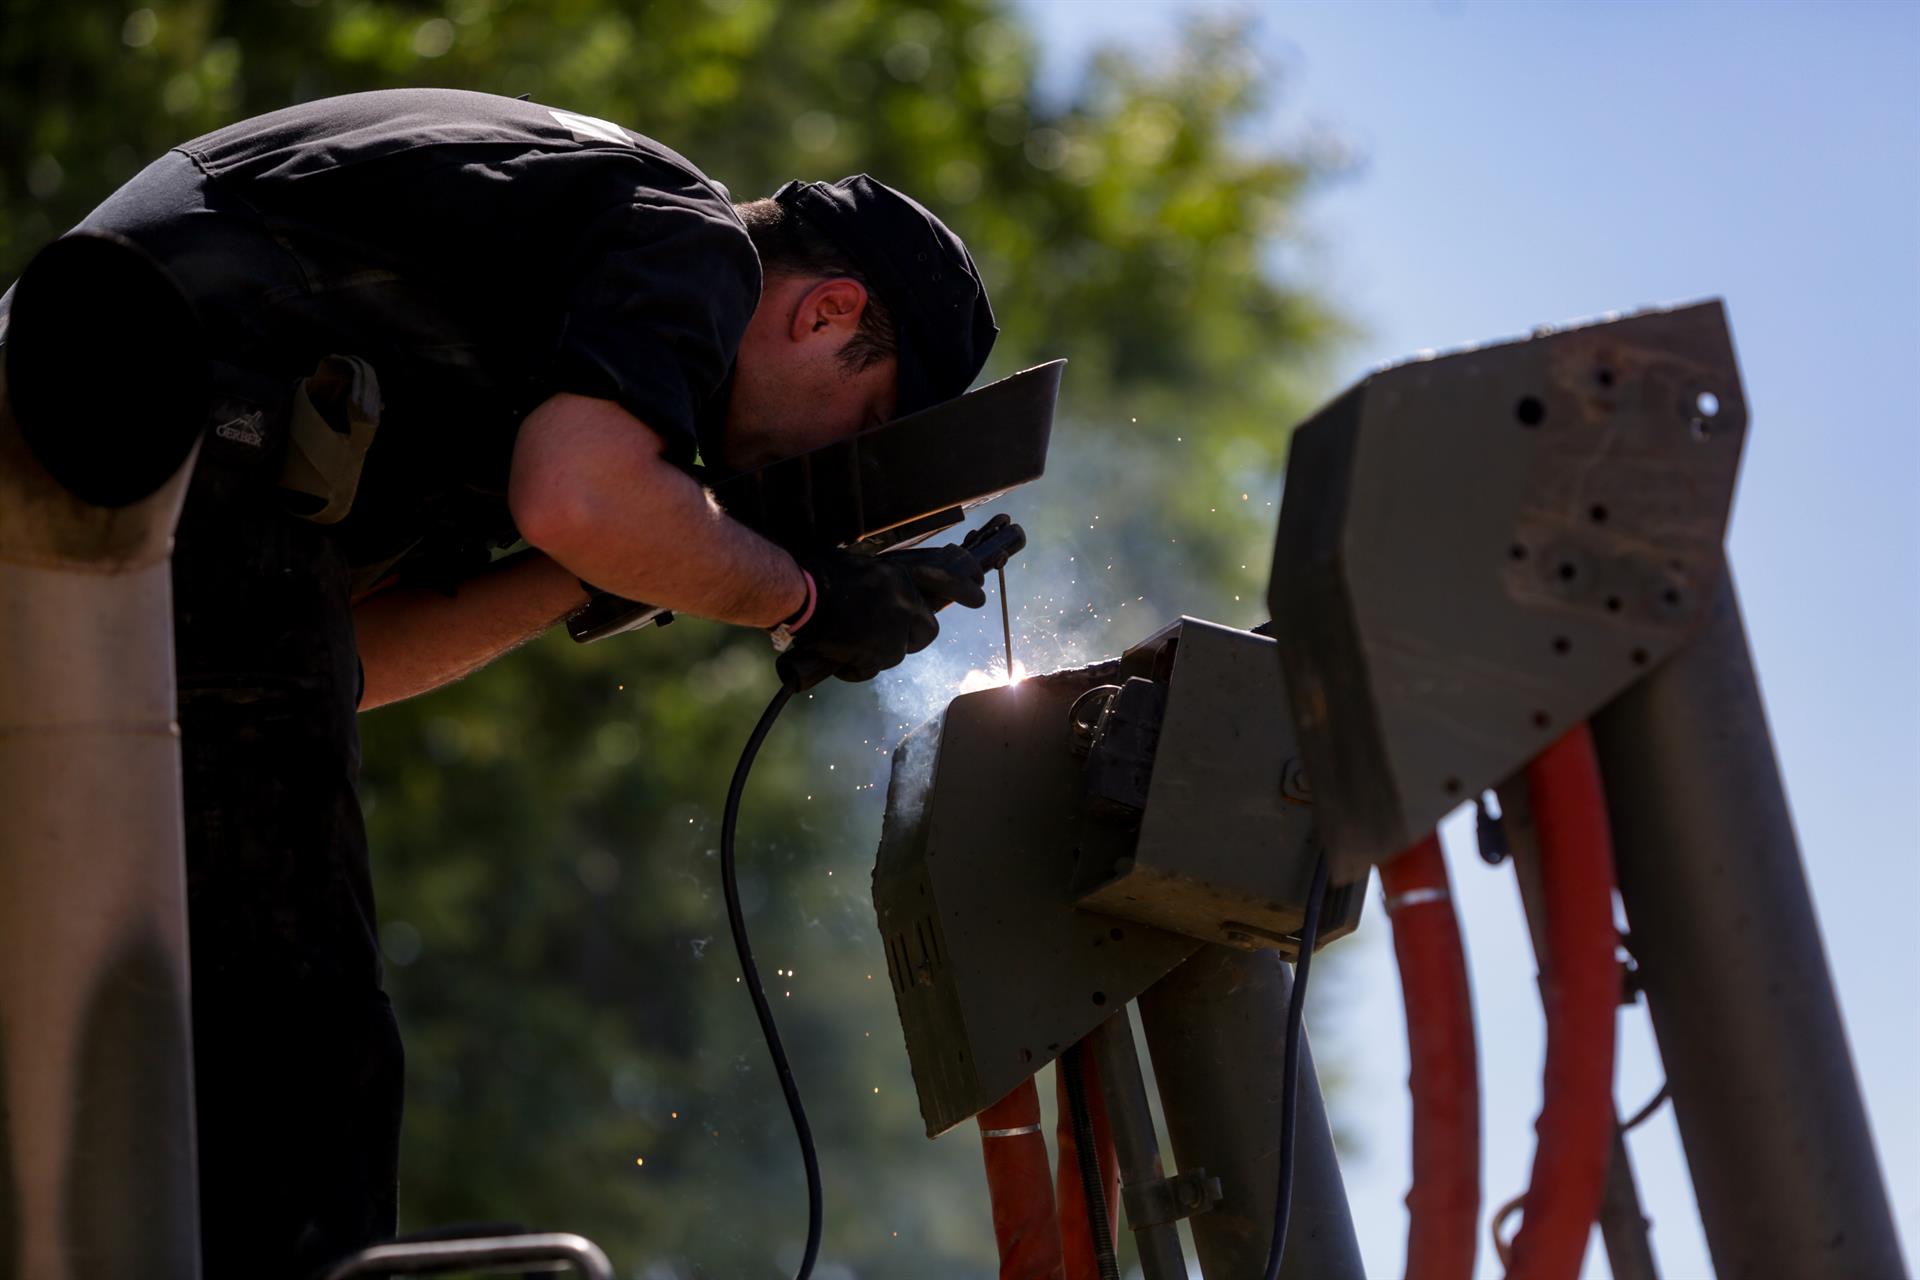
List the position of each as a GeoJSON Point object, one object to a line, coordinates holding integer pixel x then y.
{"type": "Point", "coordinates": [919, 269]}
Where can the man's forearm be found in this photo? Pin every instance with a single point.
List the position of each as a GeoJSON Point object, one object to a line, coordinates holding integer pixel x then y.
{"type": "Point", "coordinates": [677, 549]}
{"type": "Point", "coordinates": [591, 489]}
{"type": "Point", "coordinates": [413, 639]}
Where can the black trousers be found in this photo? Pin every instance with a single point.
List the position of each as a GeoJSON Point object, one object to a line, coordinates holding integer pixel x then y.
{"type": "Point", "coordinates": [297, 1058]}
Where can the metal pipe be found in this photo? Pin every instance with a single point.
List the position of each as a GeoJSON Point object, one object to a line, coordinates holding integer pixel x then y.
{"type": "Point", "coordinates": [1623, 1223]}
{"type": "Point", "coordinates": [97, 1174]}
{"type": "Point", "coordinates": [1215, 1028]}
{"type": "Point", "coordinates": [1729, 954]}
{"type": "Point", "coordinates": [1134, 1141]}
{"type": "Point", "coordinates": [558, 1251]}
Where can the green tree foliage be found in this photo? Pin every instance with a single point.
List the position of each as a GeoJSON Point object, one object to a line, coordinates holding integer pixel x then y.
{"type": "Point", "coordinates": [581, 1055]}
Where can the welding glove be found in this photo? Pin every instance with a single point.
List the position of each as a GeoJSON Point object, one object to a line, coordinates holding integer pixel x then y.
{"type": "Point", "coordinates": [870, 612]}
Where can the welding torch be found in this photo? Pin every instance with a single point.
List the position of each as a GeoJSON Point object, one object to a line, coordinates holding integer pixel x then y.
{"type": "Point", "coordinates": [939, 582]}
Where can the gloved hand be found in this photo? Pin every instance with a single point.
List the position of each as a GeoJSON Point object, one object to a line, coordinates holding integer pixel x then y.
{"type": "Point", "coordinates": [870, 612]}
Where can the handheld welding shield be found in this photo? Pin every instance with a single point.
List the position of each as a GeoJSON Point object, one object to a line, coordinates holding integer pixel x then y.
{"type": "Point", "coordinates": [884, 489]}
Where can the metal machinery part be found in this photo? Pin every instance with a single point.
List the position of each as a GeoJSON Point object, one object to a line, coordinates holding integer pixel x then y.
{"type": "Point", "coordinates": [1729, 955]}
{"type": "Point", "coordinates": [995, 971]}
{"type": "Point", "coordinates": [1186, 756]}
{"type": "Point", "coordinates": [558, 1251]}
{"type": "Point", "coordinates": [1215, 1030]}
{"type": "Point", "coordinates": [1479, 550]}
{"type": "Point", "coordinates": [1057, 848]}
{"type": "Point", "coordinates": [893, 486]}
{"type": "Point", "coordinates": [1028, 885]}
{"type": "Point", "coordinates": [97, 1173]}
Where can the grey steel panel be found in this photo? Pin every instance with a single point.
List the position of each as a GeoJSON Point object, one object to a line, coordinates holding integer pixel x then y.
{"type": "Point", "coordinates": [994, 970]}
{"type": "Point", "coordinates": [1227, 841]}
{"type": "Point", "coordinates": [1477, 550]}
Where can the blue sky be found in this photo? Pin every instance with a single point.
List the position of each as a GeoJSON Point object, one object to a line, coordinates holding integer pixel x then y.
{"type": "Point", "coordinates": [1530, 162]}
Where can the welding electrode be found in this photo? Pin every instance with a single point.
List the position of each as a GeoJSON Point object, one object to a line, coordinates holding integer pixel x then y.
{"type": "Point", "coordinates": [992, 545]}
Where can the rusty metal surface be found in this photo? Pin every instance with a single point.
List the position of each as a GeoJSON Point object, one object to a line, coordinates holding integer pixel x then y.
{"type": "Point", "coordinates": [1479, 549]}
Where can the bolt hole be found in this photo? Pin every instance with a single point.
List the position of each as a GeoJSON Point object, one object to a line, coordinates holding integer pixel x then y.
{"type": "Point", "coordinates": [1639, 657]}
{"type": "Point", "coordinates": [1562, 645]}
{"type": "Point", "coordinates": [1613, 604]}
{"type": "Point", "coordinates": [1541, 719]}
{"type": "Point", "coordinates": [1566, 571]}
{"type": "Point", "coordinates": [1597, 513]}
{"type": "Point", "coordinates": [1099, 997]}
{"type": "Point", "coordinates": [1670, 596]}
{"type": "Point", "coordinates": [1707, 404]}
{"type": "Point", "coordinates": [1518, 551]}
{"type": "Point", "coordinates": [1451, 786]}
{"type": "Point", "coordinates": [1604, 377]}
{"type": "Point", "coordinates": [1530, 411]}
{"type": "Point", "coordinates": [1116, 934]}
{"type": "Point", "coordinates": [1699, 429]}
{"type": "Point", "coordinates": [1026, 1055]}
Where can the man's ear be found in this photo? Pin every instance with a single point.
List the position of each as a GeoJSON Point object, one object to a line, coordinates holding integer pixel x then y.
{"type": "Point", "coordinates": [830, 309]}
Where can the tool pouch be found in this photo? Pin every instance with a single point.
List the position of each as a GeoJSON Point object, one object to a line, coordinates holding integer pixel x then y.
{"type": "Point", "coordinates": [330, 426]}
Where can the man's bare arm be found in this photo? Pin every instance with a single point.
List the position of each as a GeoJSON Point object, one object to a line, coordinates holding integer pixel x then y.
{"type": "Point", "coordinates": [413, 639]}
{"type": "Point", "coordinates": [590, 487]}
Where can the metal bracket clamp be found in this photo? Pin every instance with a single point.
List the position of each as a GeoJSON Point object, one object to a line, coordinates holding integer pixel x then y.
{"type": "Point", "coordinates": [1163, 1200]}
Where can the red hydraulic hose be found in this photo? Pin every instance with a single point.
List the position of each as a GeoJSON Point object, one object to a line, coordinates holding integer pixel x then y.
{"type": "Point", "coordinates": [1581, 990]}
{"type": "Point", "coordinates": [1020, 1186]}
{"type": "Point", "coordinates": [1075, 1236]}
{"type": "Point", "coordinates": [1443, 1206]}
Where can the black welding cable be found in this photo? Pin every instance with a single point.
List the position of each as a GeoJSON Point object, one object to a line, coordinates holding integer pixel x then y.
{"type": "Point", "coordinates": [737, 922]}
{"type": "Point", "coordinates": [1073, 1064]}
{"type": "Point", "coordinates": [1290, 1073]}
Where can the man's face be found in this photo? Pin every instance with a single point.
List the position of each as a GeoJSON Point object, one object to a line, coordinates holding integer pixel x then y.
{"type": "Point", "coordinates": [791, 390]}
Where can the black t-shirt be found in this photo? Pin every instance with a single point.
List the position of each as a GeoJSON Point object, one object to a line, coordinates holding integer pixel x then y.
{"type": "Point", "coordinates": [484, 253]}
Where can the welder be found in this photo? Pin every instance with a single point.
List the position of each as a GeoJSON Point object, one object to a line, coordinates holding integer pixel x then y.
{"type": "Point", "coordinates": [443, 322]}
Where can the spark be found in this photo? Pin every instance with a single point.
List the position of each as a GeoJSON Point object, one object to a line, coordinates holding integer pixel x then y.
{"type": "Point", "coordinates": [994, 677]}
{"type": "Point", "coordinates": [876, 1088]}
{"type": "Point", "coordinates": [639, 1160]}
